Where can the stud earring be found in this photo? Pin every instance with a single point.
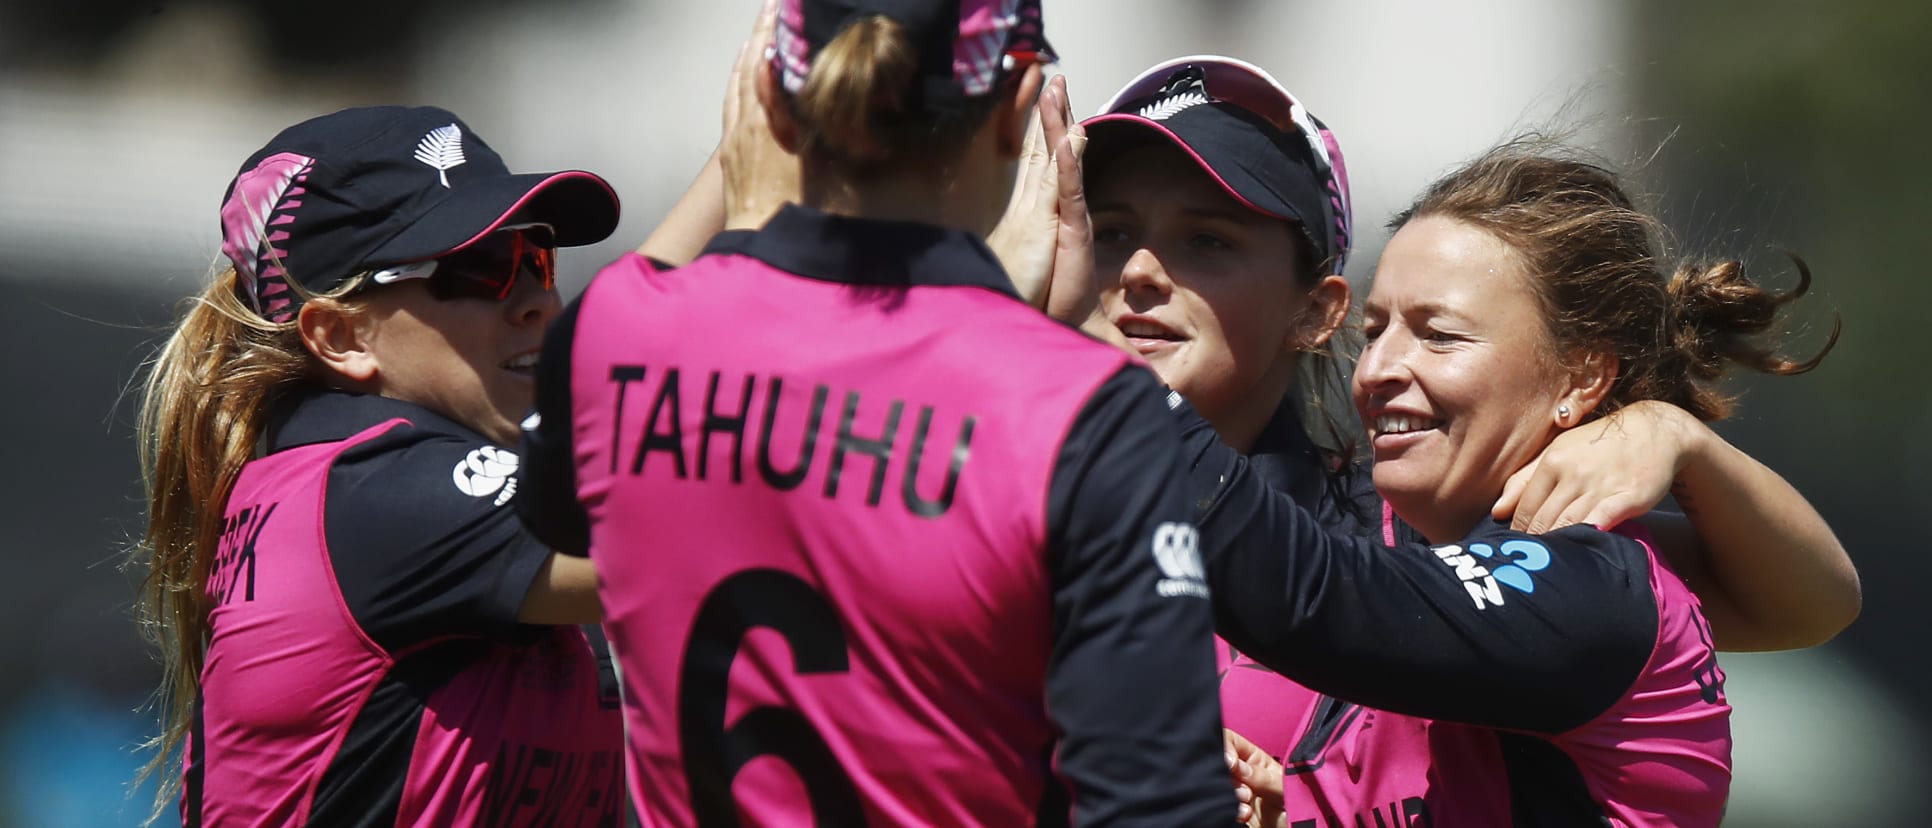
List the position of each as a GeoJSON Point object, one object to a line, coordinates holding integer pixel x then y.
{"type": "Point", "coordinates": [1563, 414]}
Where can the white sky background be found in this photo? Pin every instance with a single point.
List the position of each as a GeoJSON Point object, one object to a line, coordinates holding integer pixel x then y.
{"type": "Point", "coordinates": [123, 170]}
{"type": "Point", "coordinates": [118, 176]}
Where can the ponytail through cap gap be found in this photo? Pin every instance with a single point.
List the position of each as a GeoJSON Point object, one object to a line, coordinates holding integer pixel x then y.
{"type": "Point", "coordinates": [863, 106]}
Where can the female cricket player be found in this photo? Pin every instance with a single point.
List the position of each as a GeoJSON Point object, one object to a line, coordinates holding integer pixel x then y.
{"type": "Point", "coordinates": [880, 543]}
{"type": "Point", "coordinates": [355, 627]}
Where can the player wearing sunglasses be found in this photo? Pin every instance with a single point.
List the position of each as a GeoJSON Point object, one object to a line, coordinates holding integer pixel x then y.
{"type": "Point", "coordinates": [485, 269]}
{"type": "Point", "coordinates": [355, 627]}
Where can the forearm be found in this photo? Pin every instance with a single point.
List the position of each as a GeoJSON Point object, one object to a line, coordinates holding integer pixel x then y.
{"type": "Point", "coordinates": [564, 592]}
{"type": "Point", "coordinates": [698, 215]}
{"type": "Point", "coordinates": [1414, 630]}
{"type": "Point", "coordinates": [1786, 579]}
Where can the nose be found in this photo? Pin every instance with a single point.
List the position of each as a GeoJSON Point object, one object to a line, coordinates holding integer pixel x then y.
{"type": "Point", "coordinates": [1144, 275]}
{"type": "Point", "coordinates": [1383, 367]}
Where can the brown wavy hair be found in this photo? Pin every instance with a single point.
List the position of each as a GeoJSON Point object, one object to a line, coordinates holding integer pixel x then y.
{"type": "Point", "coordinates": [1675, 327]}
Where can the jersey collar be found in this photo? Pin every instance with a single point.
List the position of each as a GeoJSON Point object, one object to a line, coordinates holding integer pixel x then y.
{"type": "Point", "coordinates": [321, 415]}
{"type": "Point", "coordinates": [854, 251]}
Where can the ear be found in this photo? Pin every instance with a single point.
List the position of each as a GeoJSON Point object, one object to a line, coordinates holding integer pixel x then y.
{"type": "Point", "coordinates": [1327, 309]}
{"type": "Point", "coordinates": [778, 112]}
{"type": "Point", "coordinates": [1590, 383]}
{"type": "Point", "coordinates": [1012, 117]}
{"type": "Point", "coordinates": [339, 340]}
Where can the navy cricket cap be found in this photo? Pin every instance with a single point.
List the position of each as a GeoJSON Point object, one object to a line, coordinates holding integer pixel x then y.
{"type": "Point", "coordinates": [1247, 132]}
{"type": "Point", "coordinates": [964, 46]}
{"type": "Point", "coordinates": [369, 188]}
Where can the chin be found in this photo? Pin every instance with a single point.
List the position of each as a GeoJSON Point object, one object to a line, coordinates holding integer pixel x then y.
{"type": "Point", "coordinates": [1404, 491]}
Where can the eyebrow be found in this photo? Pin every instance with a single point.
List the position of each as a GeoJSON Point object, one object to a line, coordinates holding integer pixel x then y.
{"type": "Point", "coordinates": [1427, 309]}
{"type": "Point", "coordinates": [1438, 309]}
{"type": "Point", "coordinates": [1241, 217]}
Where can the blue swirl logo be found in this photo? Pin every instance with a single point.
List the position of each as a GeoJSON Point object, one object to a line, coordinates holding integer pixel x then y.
{"type": "Point", "coordinates": [1513, 563]}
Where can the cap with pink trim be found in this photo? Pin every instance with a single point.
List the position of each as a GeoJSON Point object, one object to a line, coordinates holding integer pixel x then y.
{"type": "Point", "coordinates": [964, 46]}
{"type": "Point", "coordinates": [375, 187]}
{"type": "Point", "coordinates": [1247, 132]}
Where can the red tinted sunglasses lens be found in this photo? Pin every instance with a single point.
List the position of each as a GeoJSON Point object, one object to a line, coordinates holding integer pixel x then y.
{"type": "Point", "coordinates": [489, 269]}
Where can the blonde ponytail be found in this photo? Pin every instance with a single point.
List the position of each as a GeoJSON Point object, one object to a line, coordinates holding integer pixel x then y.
{"type": "Point", "coordinates": [862, 108]}
{"type": "Point", "coordinates": [202, 411]}
{"type": "Point", "coordinates": [858, 80]}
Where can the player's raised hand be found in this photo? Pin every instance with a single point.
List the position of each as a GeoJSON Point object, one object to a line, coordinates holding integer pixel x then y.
{"type": "Point", "coordinates": [760, 175]}
{"type": "Point", "coordinates": [1072, 294]}
{"type": "Point", "coordinates": [1040, 229]}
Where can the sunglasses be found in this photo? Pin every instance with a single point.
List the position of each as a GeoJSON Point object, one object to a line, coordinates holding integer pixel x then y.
{"type": "Point", "coordinates": [487, 269]}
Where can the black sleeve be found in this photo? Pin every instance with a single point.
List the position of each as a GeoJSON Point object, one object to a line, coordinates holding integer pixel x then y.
{"type": "Point", "coordinates": [424, 542]}
{"type": "Point", "coordinates": [548, 504]}
{"type": "Point", "coordinates": [1503, 629]}
{"type": "Point", "coordinates": [1131, 685]}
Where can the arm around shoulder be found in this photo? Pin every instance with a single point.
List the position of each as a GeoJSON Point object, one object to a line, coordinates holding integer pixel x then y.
{"type": "Point", "coordinates": [1769, 571]}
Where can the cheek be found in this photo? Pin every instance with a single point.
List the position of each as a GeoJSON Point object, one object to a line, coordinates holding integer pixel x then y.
{"type": "Point", "coordinates": [398, 345]}
{"type": "Point", "coordinates": [453, 352]}
{"type": "Point", "coordinates": [1503, 401]}
{"type": "Point", "coordinates": [1250, 321]}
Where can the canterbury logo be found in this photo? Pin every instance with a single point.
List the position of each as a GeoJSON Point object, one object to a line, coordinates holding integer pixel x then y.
{"type": "Point", "coordinates": [1177, 551]}
{"type": "Point", "coordinates": [1166, 108]}
{"type": "Point", "coordinates": [442, 150]}
{"type": "Point", "coordinates": [486, 471]}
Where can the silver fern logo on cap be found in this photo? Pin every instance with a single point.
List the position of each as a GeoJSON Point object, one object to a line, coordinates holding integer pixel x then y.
{"type": "Point", "coordinates": [442, 150]}
{"type": "Point", "coordinates": [1168, 107]}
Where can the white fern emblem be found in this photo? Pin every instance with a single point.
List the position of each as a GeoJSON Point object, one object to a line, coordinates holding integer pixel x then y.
{"type": "Point", "coordinates": [1166, 108]}
{"type": "Point", "coordinates": [442, 149]}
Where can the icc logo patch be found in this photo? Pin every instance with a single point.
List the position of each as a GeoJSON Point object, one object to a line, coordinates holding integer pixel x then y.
{"type": "Point", "coordinates": [486, 471]}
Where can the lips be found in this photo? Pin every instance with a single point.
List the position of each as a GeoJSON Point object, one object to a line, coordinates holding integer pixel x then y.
{"type": "Point", "coordinates": [1147, 334]}
{"type": "Point", "coordinates": [524, 364]}
{"type": "Point", "coordinates": [1393, 431]}
{"type": "Point", "coordinates": [1397, 423]}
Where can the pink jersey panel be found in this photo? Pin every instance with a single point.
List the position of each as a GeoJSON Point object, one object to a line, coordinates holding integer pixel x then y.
{"type": "Point", "coordinates": [516, 737]}
{"type": "Point", "coordinates": [278, 625]}
{"type": "Point", "coordinates": [1662, 755]}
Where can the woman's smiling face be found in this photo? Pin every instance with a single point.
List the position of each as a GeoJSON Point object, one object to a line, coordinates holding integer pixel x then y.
{"type": "Point", "coordinates": [1458, 385]}
{"type": "Point", "coordinates": [1204, 287]}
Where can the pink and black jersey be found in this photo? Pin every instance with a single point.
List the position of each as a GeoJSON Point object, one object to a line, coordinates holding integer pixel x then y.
{"type": "Point", "coordinates": [879, 543]}
{"type": "Point", "coordinates": [1506, 679]}
{"type": "Point", "coordinates": [365, 665]}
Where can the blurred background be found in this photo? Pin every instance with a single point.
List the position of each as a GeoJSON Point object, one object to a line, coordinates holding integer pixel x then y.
{"type": "Point", "coordinates": [1755, 126]}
